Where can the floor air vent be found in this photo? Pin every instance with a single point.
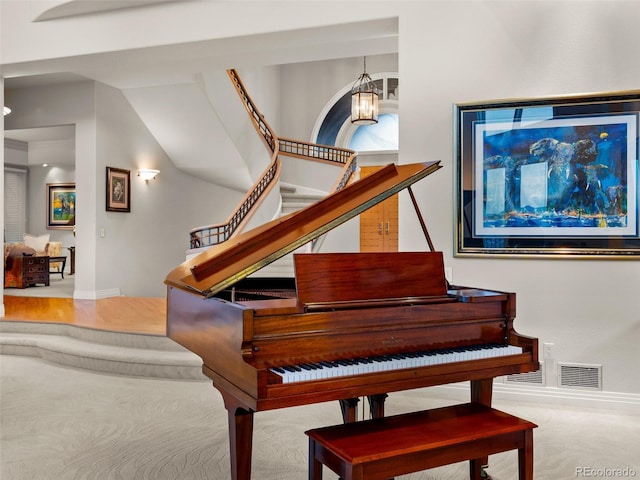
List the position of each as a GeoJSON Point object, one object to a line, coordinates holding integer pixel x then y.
{"type": "Point", "coordinates": [588, 377]}
{"type": "Point", "coordinates": [529, 378]}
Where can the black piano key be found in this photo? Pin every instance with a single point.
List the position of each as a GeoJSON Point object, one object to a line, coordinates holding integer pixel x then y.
{"type": "Point", "coordinates": [383, 358]}
{"type": "Point", "coordinates": [327, 364]}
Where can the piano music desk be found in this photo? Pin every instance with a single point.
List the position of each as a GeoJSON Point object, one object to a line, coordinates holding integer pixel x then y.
{"type": "Point", "coordinates": [386, 447]}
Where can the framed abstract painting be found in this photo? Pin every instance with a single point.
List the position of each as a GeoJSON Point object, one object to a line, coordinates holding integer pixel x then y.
{"type": "Point", "coordinates": [551, 176]}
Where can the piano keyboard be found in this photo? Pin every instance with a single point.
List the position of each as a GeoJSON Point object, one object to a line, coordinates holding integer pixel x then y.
{"type": "Point", "coordinates": [382, 363]}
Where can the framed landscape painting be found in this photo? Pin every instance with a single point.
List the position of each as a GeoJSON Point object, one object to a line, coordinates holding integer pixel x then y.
{"type": "Point", "coordinates": [61, 205]}
{"type": "Point", "coordinates": [551, 176]}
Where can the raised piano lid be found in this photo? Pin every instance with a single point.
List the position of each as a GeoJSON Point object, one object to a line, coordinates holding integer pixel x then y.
{"type": "Point", "coordinates": [225, 264]}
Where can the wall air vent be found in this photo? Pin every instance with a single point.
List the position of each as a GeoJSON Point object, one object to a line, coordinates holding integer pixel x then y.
{"type": "Point", "coordinates": [529, 378]}
{"type": "Point", "coordinates": [586, 377]}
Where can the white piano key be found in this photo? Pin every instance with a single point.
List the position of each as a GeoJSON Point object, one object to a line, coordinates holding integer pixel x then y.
{"type": "Point", "coordinates": [379, 364]}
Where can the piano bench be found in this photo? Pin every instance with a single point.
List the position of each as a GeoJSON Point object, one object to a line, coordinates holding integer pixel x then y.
{"type": "Point", "coordinates": [386, 447]}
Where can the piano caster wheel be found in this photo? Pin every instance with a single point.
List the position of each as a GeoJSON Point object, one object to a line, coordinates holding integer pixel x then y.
{"type": "Point", "coordinates": [484, 474]}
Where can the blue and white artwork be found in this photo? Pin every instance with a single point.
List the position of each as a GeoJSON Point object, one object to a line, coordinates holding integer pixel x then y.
{"type": "Point", "coordinates": [556, 177]}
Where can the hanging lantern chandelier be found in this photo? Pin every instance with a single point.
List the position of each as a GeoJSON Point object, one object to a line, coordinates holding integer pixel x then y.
{"type": "Point", "coordinates": [364, 99]}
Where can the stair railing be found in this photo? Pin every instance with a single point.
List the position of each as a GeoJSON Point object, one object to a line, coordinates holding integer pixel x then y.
{"type": "Point", "coordinates": [209, 235]}
{"type": "Point", "coordinates": [257, 118]}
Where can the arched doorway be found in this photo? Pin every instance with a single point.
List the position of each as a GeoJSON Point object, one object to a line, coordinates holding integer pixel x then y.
{"type": "Point", "coordinates": [377, 145]}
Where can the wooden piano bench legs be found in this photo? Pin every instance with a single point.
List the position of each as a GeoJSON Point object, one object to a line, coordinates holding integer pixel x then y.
{"type": "Point", "coordinates": [386, 447]}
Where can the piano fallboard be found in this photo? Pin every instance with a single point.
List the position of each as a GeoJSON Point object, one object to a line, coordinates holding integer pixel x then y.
{"type": "Point", "coordinates": [283, 340]}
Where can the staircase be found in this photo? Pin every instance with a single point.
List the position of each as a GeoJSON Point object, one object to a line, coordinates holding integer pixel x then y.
{"type": "Point", "coordinates": [276, 146]}
{"type": "Point", "coordinates": [296, 198]}
{"type": "Point", "coordinates": [293, 199]}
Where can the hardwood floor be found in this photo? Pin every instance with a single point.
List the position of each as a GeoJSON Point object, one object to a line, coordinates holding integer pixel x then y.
{"type": "Point", "coordinates": [116, 314]}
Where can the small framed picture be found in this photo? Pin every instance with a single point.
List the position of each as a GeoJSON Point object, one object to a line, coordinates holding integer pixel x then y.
{"type": "Point", "coordinates": [61, 206]}
{"type": "Point", "coordinates": [118, 190]}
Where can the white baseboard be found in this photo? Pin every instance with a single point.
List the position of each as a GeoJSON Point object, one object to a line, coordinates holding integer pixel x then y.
{"type": "Point", "coordinates": [618, 402]}
{"type": "Point", "coordinates": [96, 294]}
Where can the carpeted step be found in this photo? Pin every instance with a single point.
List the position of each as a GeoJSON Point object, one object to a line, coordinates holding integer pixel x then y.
{"type": "Point", "coordinates": [107, 337]}
{"type": "Point", "coordinates": [108, 352]}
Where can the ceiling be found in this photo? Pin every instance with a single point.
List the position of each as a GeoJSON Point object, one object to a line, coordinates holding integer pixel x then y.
{"type": "Point", "coordinates": [72, 8]}
{"type": "Point", "coordinates": [44, 134]}
{"type": "Point", "coordinates": [179, 64]}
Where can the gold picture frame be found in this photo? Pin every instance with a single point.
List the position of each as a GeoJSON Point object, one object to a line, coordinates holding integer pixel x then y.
{"type": "Point", "coordinates": [548, 177]}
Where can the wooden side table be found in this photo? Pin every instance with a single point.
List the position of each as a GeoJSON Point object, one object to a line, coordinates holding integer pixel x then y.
{"type": "Point", "coordinates": [62, 260]}
{"type": "Point", "coordinates": [27, 271]}
{"type": "Point", "coordinates": [35, 270]}
{"type": "Point", "coordinates": [72, 258]}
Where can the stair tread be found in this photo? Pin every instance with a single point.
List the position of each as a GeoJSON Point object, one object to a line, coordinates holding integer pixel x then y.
{"type": "Point", "coordinates": [97, 350]}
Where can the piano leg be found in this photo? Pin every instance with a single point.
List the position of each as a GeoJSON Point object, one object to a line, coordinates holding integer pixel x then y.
{"type": "Point", "coordinates": [376, 405]}
{"type": "Point", "coordinates": [349, 408]}
{"type": "Point", "coordinates": [240, 442]}
{"type": "Point", "coordinates": [481, 392]}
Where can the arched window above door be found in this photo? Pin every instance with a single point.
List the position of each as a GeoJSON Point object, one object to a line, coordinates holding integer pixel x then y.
{"type": "Point", "coordinates": [334, 126]}
{"type": "Point", "coordinates": [379, 136]}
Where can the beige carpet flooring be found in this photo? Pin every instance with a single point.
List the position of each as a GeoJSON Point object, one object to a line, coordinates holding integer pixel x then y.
{"type": "Point", "coordinates": [58, 288]}
{"type": "Point", "coordinates": [62, 423]}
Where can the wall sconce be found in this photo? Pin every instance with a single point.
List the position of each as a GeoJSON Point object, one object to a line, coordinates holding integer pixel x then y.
{"type": "Point", "coordinates": [6, 110]}
{"type": "Point", "coordinates": [147, 175]}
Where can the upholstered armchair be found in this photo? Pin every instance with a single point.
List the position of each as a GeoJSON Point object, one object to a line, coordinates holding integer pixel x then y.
{"type": "Point", "coordinates": [40, 245]}
{"type": "Point", "coordinates": [53, 249]}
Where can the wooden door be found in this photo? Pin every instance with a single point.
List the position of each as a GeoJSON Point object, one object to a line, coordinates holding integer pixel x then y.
{"type": "Point", "coordinates": [379, 224]}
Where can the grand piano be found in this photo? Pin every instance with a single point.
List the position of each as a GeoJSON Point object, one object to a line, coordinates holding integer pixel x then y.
{"type": "Point", "coordinates": [349, 325]}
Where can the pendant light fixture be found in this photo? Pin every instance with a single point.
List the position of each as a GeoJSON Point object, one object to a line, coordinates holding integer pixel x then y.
{"type": "Point", "coordinates": [364, 99]}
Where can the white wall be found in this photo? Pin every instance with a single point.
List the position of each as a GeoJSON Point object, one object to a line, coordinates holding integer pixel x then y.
{"type": "Point", "coordinates": [139, 248]}
{"type": "Point", "coordinates": [467, 51]}
{"type": "Point", "coordinates": [15, 153]}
